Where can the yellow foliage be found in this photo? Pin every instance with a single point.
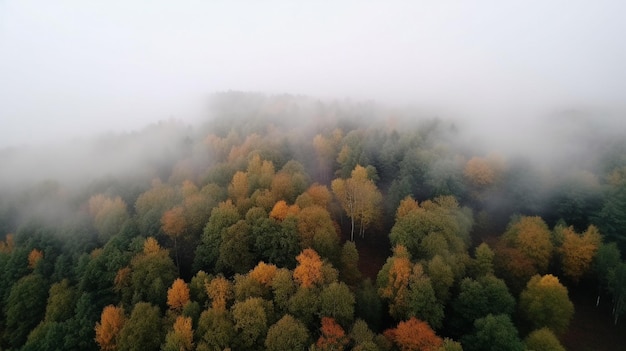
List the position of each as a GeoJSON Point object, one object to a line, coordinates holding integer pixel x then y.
{"type": "Point", "coordinates": [263, 273]}
{"type": "Point", "coordinates": [577, 252]}
{"type": "Point", "coordinates": [220, 291]}
{"type": "Point", "coordinates": [151, 246]}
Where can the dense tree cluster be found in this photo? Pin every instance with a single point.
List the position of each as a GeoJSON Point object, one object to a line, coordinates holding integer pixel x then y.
{"type": "Point", "coordinates": [243, 237]}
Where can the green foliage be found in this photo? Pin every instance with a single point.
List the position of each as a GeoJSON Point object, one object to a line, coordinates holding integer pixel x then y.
{"type": "Point", "coordinates": [545, 303]}
{"type": "Point", "coordinates": [543, 339]}
{"type": "Point", "coordinates": [287, 334]}
{"type": "Point", "coordinates": [142, 330]}
{"type": "Point", "coordinates": [251, 323]}
{"type": "Point", "coordinates": [493, 333]}
{"type": "Point", "coordinates": [337, 301]}
{"type": "Point", "coordinates": [26, 306]}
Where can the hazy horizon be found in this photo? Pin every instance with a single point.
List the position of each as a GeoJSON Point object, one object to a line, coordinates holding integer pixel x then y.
{"type": "Point", "coordinates": [72, 68]}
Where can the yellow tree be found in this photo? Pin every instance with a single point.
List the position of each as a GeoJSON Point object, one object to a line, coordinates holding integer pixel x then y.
{"type": "Point", "coordinates": [577, 251]}
{"type": "Point", "coordinates": [359, 198]}
{"type": "Point", "coordinates": [108, 328]}
{"type": "Point", "coordinates": [178, 295]}
{"type": "Point", "coordinates": [220, 291]}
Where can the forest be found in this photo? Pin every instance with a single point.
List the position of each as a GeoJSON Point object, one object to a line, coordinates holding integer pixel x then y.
{"type": "Point", "coordinates": [284, 222]}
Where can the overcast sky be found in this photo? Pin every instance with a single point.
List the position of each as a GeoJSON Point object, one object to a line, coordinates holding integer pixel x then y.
{"type": "Point", "coordinates": [69, 68]}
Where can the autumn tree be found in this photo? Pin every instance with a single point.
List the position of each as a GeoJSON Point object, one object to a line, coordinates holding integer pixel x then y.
{"type": "Point", "coordinates": [393, 281]}
{"type": "Point", "coordinates": [318, 232]}
{"type": "Point", "coordinates": [220, 292]}
{"type": "Point", "coordinates": [545, 303]}
{"type": "Point", "coordinates": [287, 334]}
{"type": "Point", "coordinates": [34, 257]}
{"type": "Point", "coordinates": [109, 327]}
{"type": "Point", "coordinates": [578, 251]}
{"type": "Point", "coordinates": [180, 338]}
{"type": "Point", "coordinates": [309, 269]}
{"type": "Point", "coordinates": [414, 335]}
{"type": "Point", "coordinates": [359, 198]}
{"type": "Point", "coordinates": [178, 295]}
{"type": "Point", "coordinates": [332, 337]}
{"type": "Point", "coordinates": [532, 237]}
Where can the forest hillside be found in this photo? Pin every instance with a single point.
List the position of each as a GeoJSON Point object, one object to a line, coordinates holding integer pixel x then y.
{"type": "Point", "coordinates": [289, 223]}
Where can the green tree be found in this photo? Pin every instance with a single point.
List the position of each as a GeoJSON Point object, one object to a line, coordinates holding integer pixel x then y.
{"type": "Point", "coordinates": [153, 272]}
{"type": "Point", "coordinates": [142, 330]}
{"type": "Point", "coordinates": [222, 217]}
{"type": "Point", "coordinates": [25, 308]}
{"type": "Point", "coordinates": [61, 302]}
{"type": "Point", "coordinates": [349, 271]}
{"type": "Point", "coordinates": [251, 323]}
{"type": "Point", "coordinates": [215, 330]}
{"type": "Point", "coordinates": [477, 299]}
{"type": "Point", "coordinates": [543, 339]}
{"type": "Point", "coordinates": [287, 334]}
{"type": "Point", "coordinates": [493, 333]}
{"type": "Point", "coordinates": [337, 301]}
{"type": "Point", "coordinates": [545, 303]}
{"type": "Point", "coordinates": [483, 260]}
{"type": "Point", "coordinates": [606, 260]}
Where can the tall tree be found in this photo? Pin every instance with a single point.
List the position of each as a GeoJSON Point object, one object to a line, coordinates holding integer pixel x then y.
{"type": "Point", "coordinates": [142, 330]}
{"type": "Point", "coordinates": [493, 333]}
{"type": "Point", "coordinates": [109, 327]}
{"type": "Point", "coordinates": [359, 197]}
{"type": "Point", "coordinates": [309, 269]}
{"type": "Point", "coordinates": [178, 295]}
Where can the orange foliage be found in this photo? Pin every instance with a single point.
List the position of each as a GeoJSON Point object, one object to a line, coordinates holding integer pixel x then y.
{"type": "Point", "coordinates": [220, 292]}
{"type": "Point", "coordinates": [173, 222]}
{"type": "Point", "coordinates": [280, 210]}
{"type": "Point", "coordinates": [414, 335]}
{"type": "Point", "coordinates": [122, 279]}
{"type": "Point", "coordinates": [108, 328]}
{"type": "Point", "coordinates": [33, 257]}
{"type": "Point", "coordinates": [309, 269]}
{"type": "Point", "coordinates": [407, 205]}
{"type": "Point", "coordinates": [333, 336]}
{"type": "Point", "coordinates": [178, 295]}
{"type": "Point", "coordinates": [263, 273]}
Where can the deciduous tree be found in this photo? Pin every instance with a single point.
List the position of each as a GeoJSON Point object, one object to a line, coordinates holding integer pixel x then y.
{"type": "Point", "coordinates": [180, 338]}
{"type": "Point", "coordinates": [287, 334]}
{"type": "Point", "coordinates": [577, 251]}
{"type": "Point", "coordinates": [309, 269]}
{"type": "Point", "coordinates": [545, 303]}
{"type": "Point", "coordinates": [414, 335]}
{"type": "Point", "coordinates": [109, 327]}
{"type": "Point", "coordinates": [178, 295]}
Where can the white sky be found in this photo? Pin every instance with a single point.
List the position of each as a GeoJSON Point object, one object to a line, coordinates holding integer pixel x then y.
{"type": "Point", "coordinates": [69, 68]}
